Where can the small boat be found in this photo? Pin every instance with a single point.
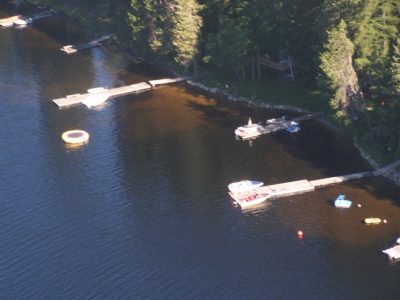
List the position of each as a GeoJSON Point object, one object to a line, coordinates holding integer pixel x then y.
{"type": "Point", "coordinates": [341, 202]}
{"type": "Point", "coordinates": [96, 99]}
{"type": "Point", "coordinates": [393, 253]}
{"type": "Point", "coordinates": [372, 221]}
{"type": "Point", "coordinates": [248, 131]}
{"type": "Point", "coordinates": [250, 198]}
{"type": "Point", "coordinates": [244, 185]}
{"type": "Point", "coordinates": [293, 127]}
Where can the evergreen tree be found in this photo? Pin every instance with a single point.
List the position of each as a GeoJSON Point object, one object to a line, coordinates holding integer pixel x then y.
{"type": "Point", "coordinates": [390, 113]}
{"type": "Point", "coordinates": [375, 26]}
{"type": "Point", "coordinates": [187, 25]}
{"type": "Point", "coordinates": [229, 46]}
{"type": "Point", "coordinates": [151, 23]}
{"type": "Point", "coordinates": [338, 74]}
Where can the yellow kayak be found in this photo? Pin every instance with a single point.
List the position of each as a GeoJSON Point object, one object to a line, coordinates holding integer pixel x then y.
{"type": "Point", "coordinates": [372, 221]}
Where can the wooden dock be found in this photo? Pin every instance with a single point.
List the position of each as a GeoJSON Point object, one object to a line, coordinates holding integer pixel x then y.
{"type": "Point", "coordinates": [43, 14]}
{"type": "Point", "coordinates": [291, 188]}
{"type": "Point", "coordinates": [154, 83]}
{"type": "Point", "coordinates": [271, 125]}
{"type": "Point", "coordinates": [299, 186]}
{"type": "Point", "coordinates": [114, 92]}
{"type": "Point", "coordinates": [6, 22]}
{"type": "Point", "coordinates": [70, 49]}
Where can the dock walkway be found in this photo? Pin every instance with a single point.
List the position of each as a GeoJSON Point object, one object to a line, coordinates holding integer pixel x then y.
{"type": "Point", "coordinates": [118, 91]}
{"type": "Point", "coordinates": [10, 21]}
{"type": "Point", "coordinates": [271, 125]}
{"type": "Point", "coordinates": [70, 49]}
{"type": "Point", "coordinates": [115, 92]}
{"type": "Point", "coordinates": [298, 186]}
{"type": "Point", "coordinates": [6, 22]}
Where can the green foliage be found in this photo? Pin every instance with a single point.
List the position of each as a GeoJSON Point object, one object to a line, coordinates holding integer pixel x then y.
{"type": "Point", "coordinates": [338, 75]}
{"type": "Point", "coordinates": [186, 31]}
{"type": "Point", "coordinates": [228, 47]}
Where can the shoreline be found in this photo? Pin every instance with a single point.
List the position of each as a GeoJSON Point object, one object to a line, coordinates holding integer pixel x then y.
{"type": "Point", "coordinates": [392, 175]}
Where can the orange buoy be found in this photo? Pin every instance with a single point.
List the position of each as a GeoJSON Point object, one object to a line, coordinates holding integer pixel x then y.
{"type": "Point", "coordinates": [300, 233]}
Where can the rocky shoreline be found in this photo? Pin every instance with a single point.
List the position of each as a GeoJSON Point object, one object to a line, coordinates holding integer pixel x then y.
{"type": "Point", "coordinates": [391, 174]}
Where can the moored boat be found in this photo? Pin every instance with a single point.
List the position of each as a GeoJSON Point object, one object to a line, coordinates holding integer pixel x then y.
{"type": "Point", "coordinates": [393, 253]}
{"type": "Point", "coordinates": [249, 131]}
{"type": "Point", "coordinates": [372, 221]}
{"type": "Point", "coordinates": [341, 202]}
{"type": "Point", "coordinates": [250, 198]}
{"type": "Point", "coordinates": [244, 185]}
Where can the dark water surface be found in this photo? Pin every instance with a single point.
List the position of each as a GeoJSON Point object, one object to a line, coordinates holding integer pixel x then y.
{"type": "Point", "coordinates": [142, 210]}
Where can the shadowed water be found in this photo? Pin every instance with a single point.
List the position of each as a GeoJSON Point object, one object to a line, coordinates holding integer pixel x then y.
{"type": "Point", "coordinates": [142, 210]}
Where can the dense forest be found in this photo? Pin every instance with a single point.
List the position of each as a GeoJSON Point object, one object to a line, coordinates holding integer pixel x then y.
{"type": "Point", "coordinates": [350, 49]}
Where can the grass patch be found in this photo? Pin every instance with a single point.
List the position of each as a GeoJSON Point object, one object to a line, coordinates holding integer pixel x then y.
{"type": "Point", "coordinates": [273, 92]}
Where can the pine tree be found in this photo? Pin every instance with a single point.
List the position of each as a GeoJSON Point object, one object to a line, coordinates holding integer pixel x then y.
{"type": "Point", "coordinates": [187, 24]}
{"type": "Point", "coordinates": [338, 74]}
{"type": "Point", "coordinates": [390, 115]}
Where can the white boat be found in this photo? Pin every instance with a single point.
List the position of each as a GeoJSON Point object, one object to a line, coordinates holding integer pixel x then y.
{"type": "Point", "coordinates": [95, 99]}
{"type": "Point", "coordinates": [341, 202]}
{"type": "Point", "coordinates": [23, 21]}
{"type": "Point", "coordinates": [244, 185]}
{"type": "Point", "coordinates": [249, 131]}
{"type": "Point", "coordinates": [393, 253]}
{"type": "Point", "coordinates": [250, 197]}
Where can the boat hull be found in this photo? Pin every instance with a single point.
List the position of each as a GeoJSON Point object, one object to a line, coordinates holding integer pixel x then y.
{"type": "Point", "coordinates": [370, 221]}
{"type": "Point", "coordinates": [250, 200]}
{"type": "Point", "coordinates": [343, 203]}
{"type": "Point", "coordinates": [244, 185]}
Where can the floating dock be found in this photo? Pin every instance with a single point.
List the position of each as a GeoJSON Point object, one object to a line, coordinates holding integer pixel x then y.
{"type": "Point", "coordinates": [114, 92]}
{"type": "Point", "coordinates": [70, 49]}
{"type": "Point", "coordinates": [252, 131]}
{"type": "Point", "coordinates": [296, 187]}
{"type": "Point", "coordinates": [156, 82]}
{"type": "Point", "coordinates": [7, 22]}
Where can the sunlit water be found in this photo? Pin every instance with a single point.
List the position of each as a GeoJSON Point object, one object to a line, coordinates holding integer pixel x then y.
{"type": "Point", "coordinates": [142, 210]}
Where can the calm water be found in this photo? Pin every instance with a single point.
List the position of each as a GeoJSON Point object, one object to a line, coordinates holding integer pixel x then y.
{"type": "Point", "coordinates": [142, 210]}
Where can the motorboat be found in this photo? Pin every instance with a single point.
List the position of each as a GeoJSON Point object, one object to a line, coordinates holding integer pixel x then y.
{"type": "Point", "coordinates": [393, 253]}
{"type": "Point", "coordinates": [341, 202]}
{"type": "Point", "coordinates": [244, 185]}
{"type": "Point", "coordinates": [293, 127]}
{"type": "Point", "coordinates": [372, 221]}
{"type": "Point", "coordinates": [249, 131]}
{"type": "Point", "coordinates": [96, 99]}
{"type": "Point", "coordinates": [250, 197]}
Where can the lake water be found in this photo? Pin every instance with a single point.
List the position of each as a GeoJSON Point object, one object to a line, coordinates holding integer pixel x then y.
{"type": "Point", "coordinates": [142, 210]}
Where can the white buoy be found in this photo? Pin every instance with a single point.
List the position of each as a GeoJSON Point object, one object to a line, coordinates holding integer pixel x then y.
{"type": "Point", "coordinates": [398, 241]}
{"type": "Point", "coordinates": [75, 137]}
